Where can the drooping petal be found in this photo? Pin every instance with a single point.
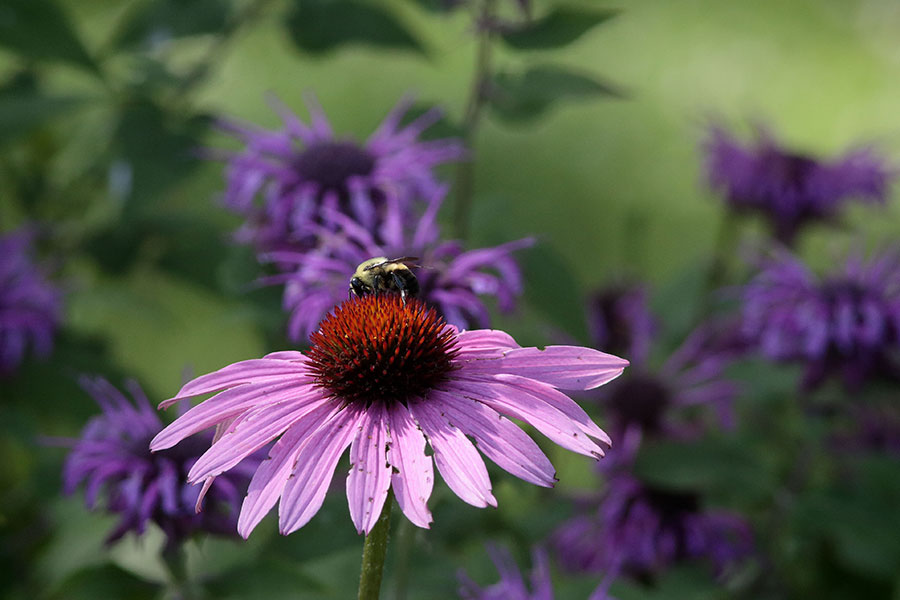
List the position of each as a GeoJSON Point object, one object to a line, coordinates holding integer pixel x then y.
{"type": "Point", "coordinates": [457, 459]}
{"type": "Point", "coordinates": [564, 367]}
{"type": "Point", "coordinates": [523, 405]}
{"type": "Point", "coordinates": [414, 479]}
{"type": "Point", "coordinates": [370, 473]}
{"type": "Point", "coordinates": [305, 490]}
{"type": "Point", "coordinates": [255, 429]}
{"type": "Point", "coordinates": [231, 403]}
{"type": "Point", "coordinates": [257, 370]}
{"type": "Point", "coordinates": [557, 400]}
{"type": "Point", "coordinates": [498, 438]}
{"type": "Point", "coordinates": [270, 478]}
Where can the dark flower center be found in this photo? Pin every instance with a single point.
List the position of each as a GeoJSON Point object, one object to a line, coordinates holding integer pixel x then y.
{"type": "Point", "coordinates": [379, 349]}
{"type": "Point", "coordinates": [792, 171]}
{"type": "Point", "coordinates": [640, 400]}
{"type": "Point", "coordinates": [331, 164]}
{"type": "Point", "coordinates": [670, 505]}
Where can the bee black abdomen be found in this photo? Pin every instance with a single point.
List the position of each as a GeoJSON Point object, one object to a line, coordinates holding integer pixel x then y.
{"type": "Point", "coordinates": [406, 282]}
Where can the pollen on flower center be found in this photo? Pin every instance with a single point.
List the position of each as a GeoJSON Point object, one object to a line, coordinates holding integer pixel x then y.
{"type": "Point", "coordinates": [331, 164]}
{"type": "Point", "coordinates": [380, 349]}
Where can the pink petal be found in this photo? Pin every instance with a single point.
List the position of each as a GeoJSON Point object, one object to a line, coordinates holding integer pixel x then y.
{"type": "Point", "coordinates": [485, 338]}
{"type": "Point", "coordinates": [457, 459]}
{"type": "Point", "coordinates": [257, 370]}
{"type": "Point", "coordinates": [270, 478]}
{"type": "Point", "coordinates": [255, 429]}
{"type": "Point", "coordinates": [285, 355]}
{"type": "Point", "coordinates": [520, 404]}
{"type": "Point", "coordinates": [414, 479]}
{"type": "Point", "coordinates": [559, 401]}
{"type": "Point", "coordinates": [305, 490]}
{"type": "Point", "coordinates": [564, 367]}
{"type": "Point", "coordinates": [497, 437]}
{"type": "Point", "coordinates": [229, 404]}
{"type": "Point", "coordinates": [370, 473]}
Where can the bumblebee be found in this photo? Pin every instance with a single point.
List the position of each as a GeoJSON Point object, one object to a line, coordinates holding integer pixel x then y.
{"type": "Point", "coordinates": [381, 274]}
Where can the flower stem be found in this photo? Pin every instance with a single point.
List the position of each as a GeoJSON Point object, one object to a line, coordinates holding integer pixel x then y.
{"type": "Point", "coordinates": [465, 170]}
{"type": "Point", "coordinates": [374, 552]}
{"type": "Point", "coordinates": [723, 254]}
{"type": "Point", "coordinates": [175, 559]}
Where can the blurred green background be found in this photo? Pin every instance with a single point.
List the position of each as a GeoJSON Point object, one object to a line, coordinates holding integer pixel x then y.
{"type": "Point", "coordinates": [613, 187]}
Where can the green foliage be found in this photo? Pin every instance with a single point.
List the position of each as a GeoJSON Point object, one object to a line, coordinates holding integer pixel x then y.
{"type": "Point", "coordinates": [104, 106]}
{"type": "Point", "coordinates": [554, 290]}
{"type": "Point", "coordinates": [22, 111]}
{"type": "Point", "coordinates": [319, 26]}
{"type": "Point", "coordinates": [161, 21]}
{"type": "Point", "coordinates": [556, 29]}
{"type": "Point", "coordinates": [723, 467]}
{"type": "Point", "coordinates": [40, 29]}
{"type": "Point", "coordinates": [519, 97]}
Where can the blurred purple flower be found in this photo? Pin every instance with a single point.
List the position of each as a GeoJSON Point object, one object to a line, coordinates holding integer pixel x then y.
{"type": "Point", "coordinates": [789, 189]}
{"type": "Point", "coordinates": [650, 402]}
{"type": "Point", "coordinates": [620, 322]}
{"type": "Point", "coordinates": [871, 429]}
{"type": "Point", "coordinates": [282, 180]}
{"type": "Point", "coordinates": [512, 585]}
{"type": "Point", "coordinates": [112, 458]}
{"type": "Point", "coordinates": [845, 324]}
{"type": "Point", "coordinates": [451, 279]}
{"type": "Point", "coordinates": [639, 530]}
{"type": "Point", "coordinates": [30, 305]}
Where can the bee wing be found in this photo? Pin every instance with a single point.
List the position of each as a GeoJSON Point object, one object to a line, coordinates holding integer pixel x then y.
{"type": "Point", "coordinates": [406, 260]}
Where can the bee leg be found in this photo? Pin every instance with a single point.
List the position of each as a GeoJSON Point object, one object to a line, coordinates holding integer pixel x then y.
{"type": "Point", "coordinates": [401, 286]}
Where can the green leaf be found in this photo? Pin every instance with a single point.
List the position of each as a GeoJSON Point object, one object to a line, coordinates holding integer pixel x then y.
{"type": "Point", "coordinates": [441, 7]}
{"type": "Point", "coordinates": [553, 289]}
{"type": "Point", "coordinates": [168, 19]}
{"type": "Point", "coordinates": [154, 149]}
{"type": "Point", "coordinates": [558, 28]}
{"type": "Point", "coordinates": [719, 465]}
{"type": "Point", "coordinates": [324, 25]}
{"type": "Point", "coordinates": [39, 29]}
{"type": "Point", "coordinates": [22, 111]}
{"type": "Point", "coordinates": [517, 97]}
{"type": "Point", "coordinates": [105, 581]}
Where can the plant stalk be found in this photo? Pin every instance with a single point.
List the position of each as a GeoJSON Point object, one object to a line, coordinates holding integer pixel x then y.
{"type": "Point", "coordinates": [374, 552]}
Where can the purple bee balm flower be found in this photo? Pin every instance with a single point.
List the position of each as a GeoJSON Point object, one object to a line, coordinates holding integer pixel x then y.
{"type": "Point", "coordinates": [639, 530]}
{"type": "Point", "coordinates": [112, 459]}
{"type": "Point", "coordinates": [512, 585]}
{"type": "Point", "coordinates": [790, 189]}
{"type": "Point", "coordinates": [620, 322]}
{"type": "Point", "coordinates": [386, 377]}
{"type": "Point", "coordinates": [657, 402]}
{"type": "Point", "coordinates": [30, 306]}
{"type": "Point", "coordinates": [282, 180]}
{"type": "Point", "coordinates": [845, 324]}
{"type": "Point", "coordinates": [450, 279]}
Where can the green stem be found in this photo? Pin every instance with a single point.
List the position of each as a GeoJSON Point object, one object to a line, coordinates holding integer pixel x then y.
{"type": "Point", "coordinates": [465, 170]}
{"type": "Point", "coordinates": [723, 253]}
{"type": "Point", "coordinates": [175, 559]}
{"type": "Point", "coordinates": [374, 552]}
